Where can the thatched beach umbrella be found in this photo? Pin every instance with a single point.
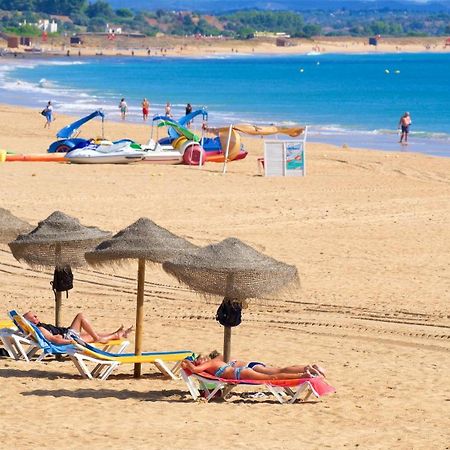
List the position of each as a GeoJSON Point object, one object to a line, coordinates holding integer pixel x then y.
{"type": "Point", "coordinates": [59, 242]}
{"type": "Point", "coordinates": [143, 240]}
{"type": "Point", "coordinates": [235, 271]}
{"type": "Point", "coordinates": [11, 226]}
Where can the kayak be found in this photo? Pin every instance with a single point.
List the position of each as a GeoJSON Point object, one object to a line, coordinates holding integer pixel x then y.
{"type": "Point", "coordinates": [43, 157]}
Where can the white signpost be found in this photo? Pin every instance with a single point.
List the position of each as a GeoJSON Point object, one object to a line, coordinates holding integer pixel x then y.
{"type": "Point", "coordinates": [285, 158]}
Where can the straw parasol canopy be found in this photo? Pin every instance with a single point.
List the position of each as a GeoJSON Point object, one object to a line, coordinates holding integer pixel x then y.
{"type": "Point", "coordinates": [143, 240]}
{"type": "Point", "coordinates": [234, 270]}
{"type": "Point", "coordinates": [11, 226]}
{"type": "Point", "coordinates": [58, 242]}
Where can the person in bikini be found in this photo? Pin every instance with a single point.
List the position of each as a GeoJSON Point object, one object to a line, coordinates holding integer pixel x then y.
{"type": "Point", "coordinates": [252, 370]}
{"type": "Point", "coordinates": [80, 328]}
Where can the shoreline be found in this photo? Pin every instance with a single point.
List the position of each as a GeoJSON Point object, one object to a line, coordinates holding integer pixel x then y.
{"type": "Point", "coordinates": [385, 140]}
{"type": "Point", "coordinates": [191, 47]}
{"type": "Point", "coordinates": [141, 132]}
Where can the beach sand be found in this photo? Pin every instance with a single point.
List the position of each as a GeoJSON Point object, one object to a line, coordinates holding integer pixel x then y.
{"type": "Point", "coordinates": [170, 46]}
{"type": "Point", "coordinates": [368, 232]}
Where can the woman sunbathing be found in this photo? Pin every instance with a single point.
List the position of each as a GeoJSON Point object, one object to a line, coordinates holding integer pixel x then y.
{"type": "Point", "coordinates": [257, 366]}
{"type": "Point", "coordinates": [238, 370]}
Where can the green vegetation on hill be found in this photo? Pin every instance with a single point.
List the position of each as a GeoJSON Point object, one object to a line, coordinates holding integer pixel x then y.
{"type": "Point", "coordinates": [81, 15]}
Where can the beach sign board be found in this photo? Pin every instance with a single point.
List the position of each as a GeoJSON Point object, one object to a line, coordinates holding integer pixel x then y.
{"type": "Point", "coordinates": [284, 158]}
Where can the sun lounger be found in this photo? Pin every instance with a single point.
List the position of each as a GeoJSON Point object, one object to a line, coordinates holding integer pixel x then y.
{"type": "Point", "coordinates": [106, 362]}
{"type": "Point", "coordinates": [285, 391]}
{"type": "Point", "coordinates": [30, 341]}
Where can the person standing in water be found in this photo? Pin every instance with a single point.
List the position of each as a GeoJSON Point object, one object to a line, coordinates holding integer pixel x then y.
{"type": "Point", "coordinates": [145, 108]}
{"type": "Point", "coordinates": [123, 107]}
{"type": "Point", "coordinates": [188, 111]}
{"type": "Point", "coordinates": [404, 124]}
{"type": "Point", "coordinates": [168, 110]}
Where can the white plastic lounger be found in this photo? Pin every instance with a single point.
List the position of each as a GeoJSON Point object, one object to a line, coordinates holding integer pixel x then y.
{"type": "Point", "coordinates": [285, 391]}
{"type": "Point", "coordinates": [106, 362]}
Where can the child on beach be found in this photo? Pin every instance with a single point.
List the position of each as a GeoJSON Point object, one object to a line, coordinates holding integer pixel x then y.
{"type": "Point", "coordinates": [48, 114]}
{"type": "Point", "coordinates": [123, 107]}
{"type": "Point", "coordinates": [145, 108]}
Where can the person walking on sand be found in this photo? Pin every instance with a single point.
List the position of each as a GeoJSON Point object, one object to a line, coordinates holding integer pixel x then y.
{"type": "Point", "coordinates": [123, 107]}
{"type": "Point", "coordinates": [404, 124]}
{"type": "Point", "coordinates": [188, 111]}
{"type": "Point", "coordinates": [168, 110]}
{"type": "Point", "coordinates": [48, 114]}
{"type": "Point", "coordinates": [145, 109]}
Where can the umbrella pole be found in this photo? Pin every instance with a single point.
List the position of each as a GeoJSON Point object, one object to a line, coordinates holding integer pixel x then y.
{"type": "Point", "coordinates": [139, 315]}
{"type": "Point", "coordinates": [58, 295]}
{"type": "Point", "coordinates": [58, 304]}
{"type": "Point", "coordinates": [226, 343]}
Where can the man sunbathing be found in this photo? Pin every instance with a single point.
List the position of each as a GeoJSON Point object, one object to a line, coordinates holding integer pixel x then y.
{"type": "Point", "coordinates": [238, 370]}
{"type": "Point", "coordinates": [79, 328]}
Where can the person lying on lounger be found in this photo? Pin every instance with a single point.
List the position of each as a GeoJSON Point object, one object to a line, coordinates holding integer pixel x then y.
{"type": "Point", "coordinates": [80, 328]}
{"type": "Point", "coordinates": [237, 370]}
{"type": "Point", "coordinates": [261, 367]}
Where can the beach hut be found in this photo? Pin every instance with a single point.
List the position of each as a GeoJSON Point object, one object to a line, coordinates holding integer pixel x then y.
{"type": "Point", "coordinates": [11, 226]}
{"type": "Point", "coordinates": [75, 40]}
{"type": "Point", "coordinates": [144, 241]}
{"type": "Point", "coordinates": [58, 242]}
{"type": "Point", "coordinates": [235, 271]}
{"type": "Point", "coordinates": [13, 42]}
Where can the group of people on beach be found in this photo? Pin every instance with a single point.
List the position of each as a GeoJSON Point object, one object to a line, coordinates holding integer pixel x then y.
{"type": "Point", "coordinates": [48, 113]}
{"type": "Point", "coordinates": [145, 105]}
{"type": "Point", "coordinates": [82, 330]}
{"type": "Point", "coordinates": [403, 124]}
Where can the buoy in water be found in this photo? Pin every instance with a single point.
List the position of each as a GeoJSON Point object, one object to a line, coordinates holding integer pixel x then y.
{"type": "Point", "coordinates": [387, 71]}
{"type": "Point", "coordinates": [302, 70]}
{"type": "Point", "coordinates": [397, 71]}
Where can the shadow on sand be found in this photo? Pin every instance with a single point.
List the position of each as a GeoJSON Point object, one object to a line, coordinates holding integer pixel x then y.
{"type": "Point", "coordinates": [173, 395]}
{"type": "Point", "coordinates": [34, 373]}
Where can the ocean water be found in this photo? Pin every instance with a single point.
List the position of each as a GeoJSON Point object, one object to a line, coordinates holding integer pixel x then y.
{"type": "Point", "coordinates": [353, 100]}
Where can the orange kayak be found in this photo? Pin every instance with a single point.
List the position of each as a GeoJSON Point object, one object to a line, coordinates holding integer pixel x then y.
{"type": "Point", "coordinates": [43, 157]}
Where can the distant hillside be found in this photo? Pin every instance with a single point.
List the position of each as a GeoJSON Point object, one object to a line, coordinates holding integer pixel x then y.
{"type": "Point", "coordinates": [292, 5]}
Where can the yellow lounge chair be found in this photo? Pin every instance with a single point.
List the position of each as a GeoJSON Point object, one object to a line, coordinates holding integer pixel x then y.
{"type": "Point", "coordinates": [106, 362]}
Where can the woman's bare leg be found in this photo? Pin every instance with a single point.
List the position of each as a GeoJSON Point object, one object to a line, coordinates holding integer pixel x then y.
{"type": "Point", "coordinates": [268, 370]}
{"type": "Point", "coordinates": [250, 374]}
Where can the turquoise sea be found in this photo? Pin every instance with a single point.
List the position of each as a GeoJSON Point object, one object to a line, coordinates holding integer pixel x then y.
{"type": "Point", "coordinates": [353, 100]}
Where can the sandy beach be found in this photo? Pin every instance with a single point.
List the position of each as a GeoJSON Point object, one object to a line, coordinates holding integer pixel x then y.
{"type": "Point", "coordinates": [171, 46]}
{"type": "Point", "coordinates": [368, 232]}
